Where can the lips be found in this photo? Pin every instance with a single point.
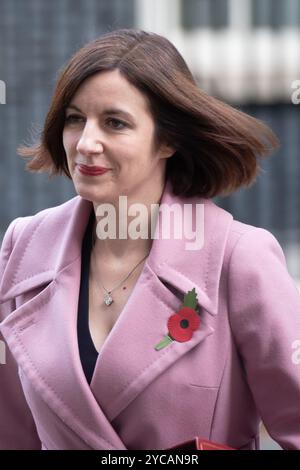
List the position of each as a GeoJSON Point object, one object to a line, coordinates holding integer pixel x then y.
{"type": "Point", "coordinates": [92, 170]}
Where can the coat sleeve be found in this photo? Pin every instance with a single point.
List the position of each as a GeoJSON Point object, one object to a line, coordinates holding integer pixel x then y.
{"type": "Point", "coordinates": [17, 427]}
{"type": "Point", "coordinates": [264, 306]}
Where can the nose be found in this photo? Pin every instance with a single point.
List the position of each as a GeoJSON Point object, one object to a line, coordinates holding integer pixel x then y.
{"type": "Point", "coordinates": [90, 142]}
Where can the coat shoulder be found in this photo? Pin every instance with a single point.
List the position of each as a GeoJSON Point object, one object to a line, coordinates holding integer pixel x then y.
{"type": "Point", "coordinates": [54, 215]}
{"type": "Point", "coordinates": [247, 237]}
{"type": "Point", "coordinates": [250, 240]}
{"type": "Point", "coordinates": [246, 243]}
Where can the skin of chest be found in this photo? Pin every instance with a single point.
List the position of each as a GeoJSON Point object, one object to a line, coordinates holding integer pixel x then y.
{"type": "Point", "coordinates": [102, 318]}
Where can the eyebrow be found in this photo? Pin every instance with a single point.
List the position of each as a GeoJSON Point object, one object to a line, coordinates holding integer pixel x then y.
{"type": "Point", "coordinates": [111, 111]}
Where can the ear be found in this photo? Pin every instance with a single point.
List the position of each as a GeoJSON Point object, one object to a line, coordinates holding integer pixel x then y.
{"type": "Point", "coordinates": [166, 151]}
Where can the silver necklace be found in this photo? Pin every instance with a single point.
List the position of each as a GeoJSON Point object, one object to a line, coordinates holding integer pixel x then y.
{"type": "Point", "coordinates": [108, 300]}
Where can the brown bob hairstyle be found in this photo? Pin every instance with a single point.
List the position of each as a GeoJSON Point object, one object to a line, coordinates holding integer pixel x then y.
{"type": "Point", "coordinates": [217, 146]}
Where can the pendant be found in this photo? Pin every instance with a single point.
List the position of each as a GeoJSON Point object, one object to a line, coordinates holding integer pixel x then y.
{"type": "Point", "coordinates": [108, 300]}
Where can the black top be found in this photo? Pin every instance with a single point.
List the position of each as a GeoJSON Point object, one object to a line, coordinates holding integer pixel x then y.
{"type": "Point", "coordinates": [87, 351]}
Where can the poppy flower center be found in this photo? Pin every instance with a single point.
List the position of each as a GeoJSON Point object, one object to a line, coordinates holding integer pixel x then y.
{"type": "Point", "coordinates": [184, 323]}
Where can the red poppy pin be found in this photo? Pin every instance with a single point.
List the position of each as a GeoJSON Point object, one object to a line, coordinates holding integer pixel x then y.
{"type": "Point", "coordinates": [183, 323]}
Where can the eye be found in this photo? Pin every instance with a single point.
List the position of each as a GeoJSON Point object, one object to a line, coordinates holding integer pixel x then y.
{"type": "Point", "coordinates": [118, 122]}
{"type": "Point", "coordinates": [73, 118]}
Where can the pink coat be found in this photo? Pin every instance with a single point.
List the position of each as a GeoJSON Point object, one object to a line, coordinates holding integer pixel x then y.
{"type": "Point", "coordinates": [238, 366]}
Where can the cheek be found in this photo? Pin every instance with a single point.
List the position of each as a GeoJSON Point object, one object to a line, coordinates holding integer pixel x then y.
{"type": "Point", "coordinates": [69, 141]}
{"type": "Point", "coordinates": [65, 142]}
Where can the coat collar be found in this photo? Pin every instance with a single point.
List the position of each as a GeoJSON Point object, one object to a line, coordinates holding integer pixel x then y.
{"type": "Point", "coordinates": [46, 245]}
{"type": "Point", "coordinates": [185, 268]}
{"type": "Point", "coordinates": [53, 240]}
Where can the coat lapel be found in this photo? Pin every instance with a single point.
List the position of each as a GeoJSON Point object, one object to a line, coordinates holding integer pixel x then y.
{"type": "Point", "coordinates": [42, 333]}
{"type": "Point", "coordinates": [47, 258]}
{"type": "Point", "coordinates": [128, 360]}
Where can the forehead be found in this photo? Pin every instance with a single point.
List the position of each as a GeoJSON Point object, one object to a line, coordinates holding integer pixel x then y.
{"type": "Point", "coordinates": [110, 89]}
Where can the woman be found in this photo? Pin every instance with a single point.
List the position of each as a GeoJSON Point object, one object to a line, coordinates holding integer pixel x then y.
{"type": "Point", "coordinates": [143, 342]}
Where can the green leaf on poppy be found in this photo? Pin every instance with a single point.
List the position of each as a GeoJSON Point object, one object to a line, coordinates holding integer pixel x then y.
{"type": "Point", "coordinates": [163, 343]}
{"type": "Point", "coordinates": [190, 299]}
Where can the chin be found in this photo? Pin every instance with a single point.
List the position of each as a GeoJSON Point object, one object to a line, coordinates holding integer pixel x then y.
{"type": "Point", "coordinates": [94, 195]}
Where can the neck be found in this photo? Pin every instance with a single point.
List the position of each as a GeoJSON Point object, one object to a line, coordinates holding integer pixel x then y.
{"type": "Point", "coordinates": [128, 237]}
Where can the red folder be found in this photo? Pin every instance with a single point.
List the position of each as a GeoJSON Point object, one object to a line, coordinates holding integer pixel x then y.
{"type": "Point", "coordinates": [200, 444]}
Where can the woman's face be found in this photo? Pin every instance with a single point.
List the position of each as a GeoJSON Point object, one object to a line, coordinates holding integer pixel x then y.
{"type": "Point", "coordinates": [96, 134]}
